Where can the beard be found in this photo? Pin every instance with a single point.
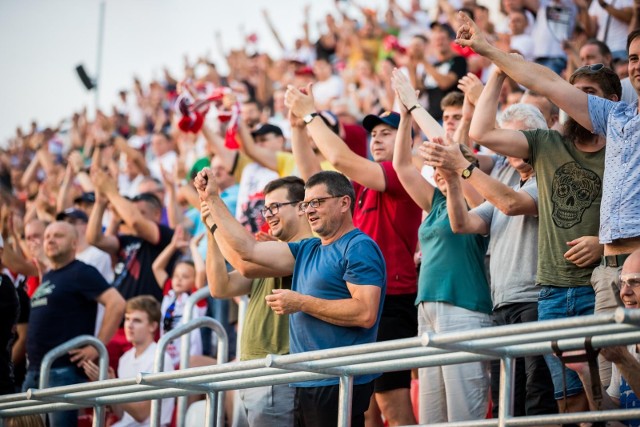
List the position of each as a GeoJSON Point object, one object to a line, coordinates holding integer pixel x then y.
{"type": "Point", "coordinates": [576, 132]}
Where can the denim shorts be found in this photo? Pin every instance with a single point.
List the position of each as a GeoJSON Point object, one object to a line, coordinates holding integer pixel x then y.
{"type": "Point", "coordinates": [559, 303]}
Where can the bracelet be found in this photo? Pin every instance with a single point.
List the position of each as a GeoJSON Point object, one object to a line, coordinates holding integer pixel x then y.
{"type": "Point", "coordinates": [413, 108]}
{"type": "Point", "coordinates": [213, 229]}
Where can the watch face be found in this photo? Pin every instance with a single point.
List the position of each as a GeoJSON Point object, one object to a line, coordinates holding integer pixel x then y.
{"type": "Point", "coordinates": [466, 173]}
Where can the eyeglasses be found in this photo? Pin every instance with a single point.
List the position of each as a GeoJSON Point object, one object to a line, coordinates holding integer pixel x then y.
{"type": "Point", "coordinates": [315, 203]}
{"type": "Point", "coordinates": [274, 208]}
{"type": "Point", "coordinates": [593, 68]}
{"type": "Point", "coordinates": [631, 280]}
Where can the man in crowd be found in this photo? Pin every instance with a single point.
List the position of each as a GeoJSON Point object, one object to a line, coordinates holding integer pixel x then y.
{"type": "Point", "coordinates": [264, 332]}
{"type": "Point", "coordinates": [135, 252]}
{"type": "Point", "coordinates": [602, 116]}
{"type": "Point", "coordinates": [387, 214]}
{"type": "Point", "coordinates": [141, 322]}
{"type": "Point", "coordinates": [569, 169]}
{"type": "Point", "coordinates": [337, 288]}
{"type": "Point", "coordinates": [624, 389]}
{"type": "Point", "coordinates": [64, 307]}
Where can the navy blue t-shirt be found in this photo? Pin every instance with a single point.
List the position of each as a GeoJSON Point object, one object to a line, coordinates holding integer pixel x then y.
{"type": "Point", "coordinates": [323, 271]}
{"type": "Point", "coordinates": [63, 307]}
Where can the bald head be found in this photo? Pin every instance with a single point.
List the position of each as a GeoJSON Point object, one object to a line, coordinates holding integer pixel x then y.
{"type": "Point", "coordinates": [60, 243]}
{"type": "Point", "coordinates": [632, 263]}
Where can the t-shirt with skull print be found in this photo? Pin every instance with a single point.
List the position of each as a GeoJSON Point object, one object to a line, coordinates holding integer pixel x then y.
{"type": "Point", "coordinates": [570, 190]}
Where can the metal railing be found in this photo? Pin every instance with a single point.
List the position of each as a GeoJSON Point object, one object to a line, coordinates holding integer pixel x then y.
{"type": "Point", "coordinates": [621, 327]}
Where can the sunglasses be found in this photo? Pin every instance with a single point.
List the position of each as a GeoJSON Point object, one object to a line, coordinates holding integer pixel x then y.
{"type": "Point", "coordinates": [593, 68]}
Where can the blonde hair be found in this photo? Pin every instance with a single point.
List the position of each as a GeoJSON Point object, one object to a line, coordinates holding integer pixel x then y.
{"type": "Point", "coordinates": [33, 420]}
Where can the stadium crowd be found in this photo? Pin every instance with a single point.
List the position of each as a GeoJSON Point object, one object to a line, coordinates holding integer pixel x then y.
{"type": "Point", "coordinates": [408, 171]}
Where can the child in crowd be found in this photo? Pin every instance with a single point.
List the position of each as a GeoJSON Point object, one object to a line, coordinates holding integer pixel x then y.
{"type": "Point", "coordinates": [187, 277]}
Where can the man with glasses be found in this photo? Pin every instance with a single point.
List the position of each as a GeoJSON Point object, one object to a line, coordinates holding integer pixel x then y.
{"type": "Point", "coordinates": [337, 288]}
{"type": "Point", "coordinates": [569, 168]}
{"type": "Point", "coordinates": [264, 332]}
{"type": "Point", "coordinates": [386, 213]}
{"type": "Point", "coordinates": [624, 388]}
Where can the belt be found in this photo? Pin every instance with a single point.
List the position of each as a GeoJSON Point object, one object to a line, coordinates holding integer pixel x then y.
{"type": "Point", "coordinates": [614, 260]}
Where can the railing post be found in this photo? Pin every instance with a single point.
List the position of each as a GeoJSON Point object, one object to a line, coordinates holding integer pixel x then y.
{"type": "Point", "coordinates": [158, 363]}
{"type": "Point", "coordinates": [507, 374]}
{"type": "Point", "coordinates": [63, 349]}
{"type": "Point", "coordinates": [345, 396]}
{"type": "Point", "coordinates": [185, 348]}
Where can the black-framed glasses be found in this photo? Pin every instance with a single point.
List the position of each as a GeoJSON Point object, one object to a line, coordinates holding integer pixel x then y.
{"type": "Point", "coordinates": [593, 68]}
{"type": "Point", "coordinates": [315, 203]}
{"type": "Point", "coordinates": [274, 208]}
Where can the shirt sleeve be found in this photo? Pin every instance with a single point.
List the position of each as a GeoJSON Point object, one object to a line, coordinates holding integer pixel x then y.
{"type": "Point", "coordinates": [485, 212]}
{"type": "Point", "coordinates": [393, 185]}
{"type": "Point", "coordinates": [599, 109]}
{"type": "Point", "coordinates": [365, 264]}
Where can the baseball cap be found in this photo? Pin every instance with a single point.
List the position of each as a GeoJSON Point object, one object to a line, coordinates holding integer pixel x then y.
{"type": "Point", "coordinates": [390, 118]}
{"type": "Point", "coordinates": [265, 129]}
{"type": "Point", "coordinates": [73, 214]}
{"type": "Point", "coordinates": [89, 197]}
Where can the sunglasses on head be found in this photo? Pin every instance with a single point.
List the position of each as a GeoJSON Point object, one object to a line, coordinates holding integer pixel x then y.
{"type": "Point", "coordinates": [593, 68]}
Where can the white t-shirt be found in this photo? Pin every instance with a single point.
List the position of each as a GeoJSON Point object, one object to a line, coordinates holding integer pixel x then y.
{"type": "Point", "coordinates": [523, 43]}
{"type": "Point", "coordinates": [167, 160]}
{"type": "Point", "coordinates": [554, 22]}
{"type": "Point", "coordinates": [128, 367]}
{"type": "Point", "coordinates": [324, 92]}
{"type": "Point", "coordinates": [618, 30]}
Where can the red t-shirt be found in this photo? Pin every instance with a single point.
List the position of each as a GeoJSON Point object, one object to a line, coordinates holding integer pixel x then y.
{"type": "Point", "coordinates": [391, 219]}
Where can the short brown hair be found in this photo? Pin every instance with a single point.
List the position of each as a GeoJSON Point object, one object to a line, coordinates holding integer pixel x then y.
{"type": "Point", "coordinates": [145, 303]}
{"type": "Point", "coordinates": [604, 77]}
{"type": "Point", "coordinates": [452, 99]}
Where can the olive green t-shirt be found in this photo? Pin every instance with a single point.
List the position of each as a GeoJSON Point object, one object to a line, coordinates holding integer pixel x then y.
{"type": "Point", "coordinates": [264, 331]}
{"type": "Point", "coordinates": [570, 189]}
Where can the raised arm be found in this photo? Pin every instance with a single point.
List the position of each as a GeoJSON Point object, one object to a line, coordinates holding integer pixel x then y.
{"type": "Point", "coordinates": [533, 76]}
{"type": "Point", "coordinates": [503, 197]}
{"type": "Point", "coordinates": [198, 262]}
{"type": "Point", "coordinates": [483, 128]}
{"type": "Point", "coordinates": [223, 284]}
{"type": "Point", "coordinates": [95, 237]}
{"type": "Point", "coordinates": [303, 155]}
{"type": "Point", "coordinates": [159, 266]}
{"type": "Point", "coordinates": [364, 171]}
{"type": "Point", "coordinates": [265, 156]}
{"type": "Point", "coordinates": [417, 187]}
{"type": "Point", "coordinates": [274, 254]}
{"type": "Point", "coordinates": [462, 221]}
{"type": "Point", "coordinates": [408, 97]}
{"type": "Point", "coordinates": [216, 145]}
{"type": "Point", "coordinates": [143, 227]}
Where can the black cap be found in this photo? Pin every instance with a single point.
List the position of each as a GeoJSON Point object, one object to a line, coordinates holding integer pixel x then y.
{"type": "Point", "coordinates": [266, 129]}
{"type": "Point", "coordinates": [390, 118]}
{"type": "Point", "coordinates": [72, 213]}
{"type": "Point", "coordinates": [86, 198]}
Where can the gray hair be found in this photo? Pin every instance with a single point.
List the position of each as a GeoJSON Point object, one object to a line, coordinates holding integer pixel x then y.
{"type": "Point", "coordinates": [528, 115]}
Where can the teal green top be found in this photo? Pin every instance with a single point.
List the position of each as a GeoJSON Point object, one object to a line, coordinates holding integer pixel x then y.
{"type": "Point", "coordinates": [452, 268]}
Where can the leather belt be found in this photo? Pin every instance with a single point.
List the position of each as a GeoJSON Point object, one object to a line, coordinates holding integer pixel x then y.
{"type": "Point", "coordinates": [614, 260]}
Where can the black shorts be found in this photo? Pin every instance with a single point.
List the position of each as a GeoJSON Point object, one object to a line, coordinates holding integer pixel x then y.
{"type": "Point", "coordinates": [399, 320]}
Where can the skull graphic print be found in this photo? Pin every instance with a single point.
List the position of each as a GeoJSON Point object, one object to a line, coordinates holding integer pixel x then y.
{"type": "Point", "coordinates": [574, 189]}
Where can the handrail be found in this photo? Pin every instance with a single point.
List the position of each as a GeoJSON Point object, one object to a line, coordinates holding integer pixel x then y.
{"type": "Point", "coordinates": [615, 328]}
{"type": "Point", "coordinates": [158, 364]}
{"type": "Point", "coordinates": [62, 350]}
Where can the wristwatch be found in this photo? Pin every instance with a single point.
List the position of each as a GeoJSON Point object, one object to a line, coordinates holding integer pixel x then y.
{"type": "Point", "coordinates": [309, 117]}
{"type": "Point", "coordinates": [466, 173]}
